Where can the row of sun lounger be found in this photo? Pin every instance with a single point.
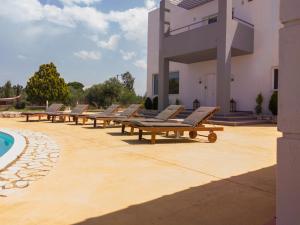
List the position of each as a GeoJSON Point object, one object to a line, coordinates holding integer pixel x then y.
{"type": "Point", "coordinates": [162, 123]}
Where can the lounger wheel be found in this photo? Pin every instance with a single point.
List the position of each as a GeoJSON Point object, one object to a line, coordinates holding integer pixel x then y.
{"type": "Point", "coordinates": [193, 134]}
{"type": "Point", "coordinates": [212, 137]}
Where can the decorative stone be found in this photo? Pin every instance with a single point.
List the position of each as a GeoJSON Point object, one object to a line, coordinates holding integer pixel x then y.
{"type": "Point", "coordinates": [22, 184]}
{"type": "Point", "coordinates": [39, 157]}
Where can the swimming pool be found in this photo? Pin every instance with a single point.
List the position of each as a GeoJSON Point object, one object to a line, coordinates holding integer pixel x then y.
{"type": "Point", "coordinates": [12, 145]}
{"type": "Point", "coordinates": [6, 142]}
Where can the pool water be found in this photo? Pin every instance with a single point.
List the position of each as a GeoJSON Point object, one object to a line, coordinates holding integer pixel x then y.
{"type": "Point", "coordinates": [6, 141]}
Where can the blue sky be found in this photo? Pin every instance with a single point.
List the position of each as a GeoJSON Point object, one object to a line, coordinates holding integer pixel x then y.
{"type": "Point", "coordinates": [88, 40]}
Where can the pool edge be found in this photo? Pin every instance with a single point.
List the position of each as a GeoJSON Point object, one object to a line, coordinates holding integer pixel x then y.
{"type": "Point", "coordinates": [15, 151]}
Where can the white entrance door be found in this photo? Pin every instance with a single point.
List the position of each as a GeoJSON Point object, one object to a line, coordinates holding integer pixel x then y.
{"type": "Point", "coordinates": [210, 90]}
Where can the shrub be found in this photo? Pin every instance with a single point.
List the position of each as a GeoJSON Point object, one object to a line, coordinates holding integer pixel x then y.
{"type": "Point", "coordinates": [20, 105]}
{"type": "Point", "coordinates": [148, 103]}
{"type": "Point", "coordinates": [155, 103]}
{"type": "Point", "coordinates": [273, 104]}
{"type": "Point", "coordinates": [259, 101]}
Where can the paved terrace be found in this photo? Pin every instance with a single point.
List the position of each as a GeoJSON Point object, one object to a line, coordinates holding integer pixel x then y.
{"type": "Point", "coordinates": [105, 178]}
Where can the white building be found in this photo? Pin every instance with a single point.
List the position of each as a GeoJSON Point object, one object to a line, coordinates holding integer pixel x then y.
{"type": "Point", "coordinates": [213, 51]}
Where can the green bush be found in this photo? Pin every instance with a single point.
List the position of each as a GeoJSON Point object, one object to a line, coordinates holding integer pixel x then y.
{"type": "Point", "coordinates": [20, 105]}
{"type": "Point", "coordinates": [259, 101]}
{"type": "Point", "coordinates": [273, 104]}
{"type": "Point", "coordinates": [155, 103]}
{"type": "Point", "coordinates": [148, 103]}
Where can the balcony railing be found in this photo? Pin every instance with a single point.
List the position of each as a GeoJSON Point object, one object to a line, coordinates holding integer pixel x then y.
{"type": "Point", "coordinates": [207, 21]}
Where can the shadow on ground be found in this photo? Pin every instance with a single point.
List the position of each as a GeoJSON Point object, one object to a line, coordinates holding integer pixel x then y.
{"type": "Point", "coordinates": [247, 199]}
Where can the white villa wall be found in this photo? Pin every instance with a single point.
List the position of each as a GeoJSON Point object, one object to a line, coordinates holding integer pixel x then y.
{"type": "Point", "coordinates": [252, 73]}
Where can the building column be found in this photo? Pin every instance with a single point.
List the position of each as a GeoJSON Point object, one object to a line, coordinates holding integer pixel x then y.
{"type": "Point", "coordinates": [224, 55]}
{"type": "Point", "coordinates": [163, 77]}
{"type": "Point", "coordinates": [288, 158]}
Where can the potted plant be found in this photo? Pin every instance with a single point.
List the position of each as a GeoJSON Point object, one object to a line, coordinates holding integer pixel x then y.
{"type": "Point", "coordinates": [258, 108]}
{"type": "Point", "coordinates": [273, 105]}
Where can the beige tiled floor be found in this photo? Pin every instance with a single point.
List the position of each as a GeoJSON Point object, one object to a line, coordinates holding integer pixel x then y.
{"type": "Point", "coordinates": [105, 178]}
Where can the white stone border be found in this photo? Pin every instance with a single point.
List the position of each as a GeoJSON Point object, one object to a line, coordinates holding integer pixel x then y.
{"type": "Point", "coordinates": [15, 151]}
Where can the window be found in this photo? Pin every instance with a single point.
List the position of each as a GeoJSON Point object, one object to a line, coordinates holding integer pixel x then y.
{"type": "Point", "coordinates": [275, 76]}
{"type": "Point", "coordinates": [155, 84]}
{"type": "Point", "coordinates": [212, 20]}
{"type": "Point", "coordinates": [173, 83]}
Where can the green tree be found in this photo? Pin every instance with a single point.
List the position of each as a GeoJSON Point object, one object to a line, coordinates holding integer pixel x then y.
{"type": "Point", "coordinates": [128, 81]}
{"type": "Point", "coordinates": [94, 95]}
{"type": "Point", "coordinates": [76, 85]}
{"type": "Point", "coordinates": [76, 93]}
{"type": "Point", "coordinates": [7, 90]}
{"type": "Point", "coordinates": [47, 85]}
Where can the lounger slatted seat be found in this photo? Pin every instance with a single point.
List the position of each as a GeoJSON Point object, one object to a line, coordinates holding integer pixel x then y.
{"type": "Point", "coordinates": [169, 113]}
{"type": "Point", "coordinates": [127, 113]}
{"type": "Point", "coordinates": [111, 110]}
{"type": "Point", "coordinates": [192, 124]}
{"type": "Point", "coordinates": [78, 110]}
{"type": "Point", "coordinates": [54, 108]}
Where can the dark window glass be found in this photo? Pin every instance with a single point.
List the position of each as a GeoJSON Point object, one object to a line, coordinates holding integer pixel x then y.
{"type": "Point", "coordinates": [155, 84]}
{"type": "Point", "coordinates": [213, 20]}
{"type": "Point", "coordinates": [174, 83]}
{"type": "Point", "coordinates": [276, 73]}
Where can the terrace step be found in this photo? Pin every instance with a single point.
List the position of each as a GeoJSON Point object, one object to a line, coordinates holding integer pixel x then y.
{"type": "Point", "coordinates": [238, 123]}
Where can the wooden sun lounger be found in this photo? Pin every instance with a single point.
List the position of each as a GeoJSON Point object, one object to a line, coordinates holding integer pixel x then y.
{"type": "Point", "coordinates": [78, 110]}
{"type": "Point", "coordinates": [192, 124]}
{"type": "Point", "coordinates": [169, 113]}
{"type": "Point", "coordinates": [54, 108]}
{"type": "Point", "coordinates": [127, 113]}
{"type": "Point", "coordinates": [111, 110]}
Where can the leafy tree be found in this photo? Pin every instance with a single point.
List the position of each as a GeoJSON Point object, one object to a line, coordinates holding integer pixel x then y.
{"type": "Point", "coordinates": [46, 84]}
{"type": "Point", "coordinates": [76, 93]}
{"type": "Point", "coordinates": [128, 97]}
{"type": "Point", "coordinates": [7, 90]}
{"type": "Point", "coordinates": [259, 101]}
{"type": "Point", "coordinates": [94, 95]}
{"type": "Point", "coordinates": [128, 81]}
{"type": "Point", "coordinates": [76, 85]}
{"type": "Point", "coordinates": [112, 89]}
{"type": "Point", "coordinates": [273, 104]}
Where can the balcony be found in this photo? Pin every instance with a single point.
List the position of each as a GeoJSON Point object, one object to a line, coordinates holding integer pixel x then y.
{"type": "Point", "coordinates": [197, 42]}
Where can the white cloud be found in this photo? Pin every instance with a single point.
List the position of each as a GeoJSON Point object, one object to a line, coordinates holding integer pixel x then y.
{"type": "Point", "coordinates": [22, 57]}
{"type": "Point", "coordinates": [111, 44]}
{"type": "Point", "coordinates": [88, 55]}
{"type": "Point", "coordinates": [69, 16]}
{"type": "Point", "coordinates": [150, 4]}
{"type": "Point", "coordinates": [84, 2]}
{"type": "Point", "coordinates": [141, 63]}
{"type": "Point", "coordinates": [127, 55]}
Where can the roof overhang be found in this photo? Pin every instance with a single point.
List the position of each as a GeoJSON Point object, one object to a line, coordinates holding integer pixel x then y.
{"type": "Point", "coordinates": [189, 4]}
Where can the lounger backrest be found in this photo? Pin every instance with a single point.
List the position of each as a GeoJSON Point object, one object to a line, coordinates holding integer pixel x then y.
{"type": "Point", "coordinates": [54, 108]}
{"type": "Point", "coordinates": [131, 110]}
{"type": "Point", "coordinates": [170, 112]}
{"type": "Point", "coordinates": [200, 115]}
{"type": "Point", "coordinates": [79, 109]}
{"type": "Point", "coordinates": [112, 109]}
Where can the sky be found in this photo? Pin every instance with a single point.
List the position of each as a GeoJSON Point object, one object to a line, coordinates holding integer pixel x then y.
{"type": "Point", "coordinates": [88, 40]}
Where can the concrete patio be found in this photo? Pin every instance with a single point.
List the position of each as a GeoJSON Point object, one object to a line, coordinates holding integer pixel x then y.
{"type": "Point", "coordinates": [105, 178]}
